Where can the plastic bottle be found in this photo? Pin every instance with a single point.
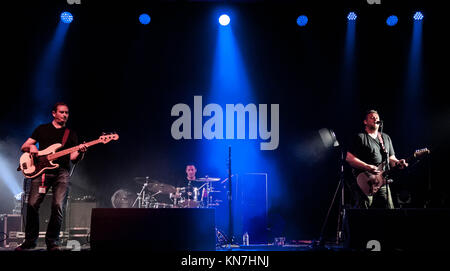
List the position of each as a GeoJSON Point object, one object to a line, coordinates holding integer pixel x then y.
{"type": "Point", "coordinates": [245, 239]}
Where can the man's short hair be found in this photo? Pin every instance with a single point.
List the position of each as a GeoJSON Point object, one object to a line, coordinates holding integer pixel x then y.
{"type": "Point", "coordinates": [370, 112]}
{"type": "Point", "coordinates": [55, 107]}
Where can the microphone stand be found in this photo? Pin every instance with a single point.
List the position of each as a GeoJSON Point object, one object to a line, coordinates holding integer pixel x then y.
{"type": "Point", "coordinates": [386, 167]}
{"type": "Point", "coordinates": [341, 215]}
{"type": "Point", "coordinates": [230, 197]}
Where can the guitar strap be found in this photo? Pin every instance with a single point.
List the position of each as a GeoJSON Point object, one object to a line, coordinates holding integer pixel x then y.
{"type": "Point", "coordinates": [383, 147]}
{"type": "Point", "coordinates": [382, 143]}
{"type": "Point", "coordinates": [65, 137]}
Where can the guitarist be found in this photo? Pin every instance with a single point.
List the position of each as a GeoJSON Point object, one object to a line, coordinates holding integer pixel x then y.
{"type": "Point", "coordinates": [56, 179]}
{"type": "Point", "coordinates": [368, 150]}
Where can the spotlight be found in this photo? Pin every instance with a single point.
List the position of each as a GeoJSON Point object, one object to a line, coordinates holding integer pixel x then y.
{"type": "Point", "coordinates": [352, 16]}
{"type": "Point", "coordinates": [224, 19]}
{"type": "Point", "coordinates": [144, 18]}
{"type": "Point", "coordinates": [302, 20]}
{"type": "Point", "coordinates": [66, 17]}
{"type": "Point", "coordinates": [418, 16]}
{"type": "Point", "coordinates": [392, 20]}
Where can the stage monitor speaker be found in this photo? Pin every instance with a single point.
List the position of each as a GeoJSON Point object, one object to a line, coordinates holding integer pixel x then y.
{"type": "Point", "coordinates": [398, 229]}
{"type": "Point", "coordinates": [167, 229]}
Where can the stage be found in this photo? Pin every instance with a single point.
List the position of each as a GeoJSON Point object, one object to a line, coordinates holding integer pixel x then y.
{"type": "Point", "coordinates": [222, 128]}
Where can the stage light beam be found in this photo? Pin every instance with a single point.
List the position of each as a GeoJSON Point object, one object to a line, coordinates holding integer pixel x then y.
{"type": "Point", "coordinates": [352, 16]}
{"type": "Point", "coordinates": [66, 17]}
{"type": "Point", "coordinates": [224, 19]}
{"type": "Point", "coordinates": [418, 16]}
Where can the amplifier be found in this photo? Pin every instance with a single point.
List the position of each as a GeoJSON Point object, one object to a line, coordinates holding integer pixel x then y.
{"type": "Point", "coordinates": [10, 226]}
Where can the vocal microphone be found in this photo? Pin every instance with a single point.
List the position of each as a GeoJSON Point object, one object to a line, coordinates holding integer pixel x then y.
{"type": "Point", "coordinates": [379, 122]}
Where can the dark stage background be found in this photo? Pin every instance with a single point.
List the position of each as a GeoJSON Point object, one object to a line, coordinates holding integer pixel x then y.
{"type": "Point", "coordinates": [120, 76]}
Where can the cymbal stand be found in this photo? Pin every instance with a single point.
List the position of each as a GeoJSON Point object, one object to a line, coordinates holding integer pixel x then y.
{"type": "Point", "coordinates": [140, 196]}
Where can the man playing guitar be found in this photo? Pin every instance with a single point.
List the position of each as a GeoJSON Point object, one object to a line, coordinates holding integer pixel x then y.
{"type": "Point", "coordinates": [56, 178]}
{"type": "Point", "coordinates": [371, 153]}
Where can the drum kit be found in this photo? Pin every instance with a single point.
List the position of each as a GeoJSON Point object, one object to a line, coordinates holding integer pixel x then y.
{"type": "Point", "coordinates": [199, 193]}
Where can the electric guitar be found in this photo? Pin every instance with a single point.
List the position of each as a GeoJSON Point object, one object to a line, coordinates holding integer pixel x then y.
{"type": "Point", "coordinates": [32, 165]}
{"type": "Point", "coordinates": [370, 183]}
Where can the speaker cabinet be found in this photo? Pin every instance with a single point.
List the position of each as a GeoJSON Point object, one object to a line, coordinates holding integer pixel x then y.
{"type": "Point", "coordinates": [171, 229]}
{"type": "Point", "coordinates": [398, 229]}
{"type": "Point", "coordinates": [10, 225]}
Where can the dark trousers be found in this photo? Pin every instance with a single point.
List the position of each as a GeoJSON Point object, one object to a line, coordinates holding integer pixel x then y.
{"type": "Point", "coordinates": [58, 181]}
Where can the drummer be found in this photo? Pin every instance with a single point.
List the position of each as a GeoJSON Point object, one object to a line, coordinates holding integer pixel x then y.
{"type": "Point", "coordinates": [190, 173]}
{"type": "Point", "coordinates": [190, 185]}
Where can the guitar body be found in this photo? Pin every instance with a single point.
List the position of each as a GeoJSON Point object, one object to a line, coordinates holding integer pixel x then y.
{"type": "Point", "coordinates": [371, 183]}
{"type": "Point", "coordinates": [34, 165]}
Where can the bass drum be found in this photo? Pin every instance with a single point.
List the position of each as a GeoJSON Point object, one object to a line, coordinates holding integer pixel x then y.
{"type": "Point", "coordinates": [123, 198]}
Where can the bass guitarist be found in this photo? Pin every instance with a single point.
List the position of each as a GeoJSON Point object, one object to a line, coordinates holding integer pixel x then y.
{"type": "Point", "coordinates": [365, 154]}
{"type": "Point", "coordinates": [57, 179]}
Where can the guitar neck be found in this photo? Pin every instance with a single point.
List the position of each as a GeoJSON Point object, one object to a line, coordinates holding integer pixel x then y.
{"type": "Point", "coordinates": [56, 155]}
{"type": "Point", "coordinates": [410, 159]}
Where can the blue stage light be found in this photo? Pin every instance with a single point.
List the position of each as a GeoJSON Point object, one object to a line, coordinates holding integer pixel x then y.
{"type": "Point", "coordinates": [66, 17]}
{"type": "Point", "coordinates": [302, 20]}
{"type": "Point", "coordinates": [418, 16]}
{"type": "Point", "coordinates": [224, 19]}
{"type": "Point", "coordinates": [352, 16]}
{"type": "Point", "coordinates": [392, 20]}
{"type": "Point", "coordinates": [144, 18]}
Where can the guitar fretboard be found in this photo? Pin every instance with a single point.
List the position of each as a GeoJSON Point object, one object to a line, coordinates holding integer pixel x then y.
{"type": "Point", "coordinates": [56, 155]}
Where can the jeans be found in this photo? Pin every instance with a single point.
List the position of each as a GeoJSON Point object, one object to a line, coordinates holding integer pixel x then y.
{"type": "Point", "coordinates": [58, 181]}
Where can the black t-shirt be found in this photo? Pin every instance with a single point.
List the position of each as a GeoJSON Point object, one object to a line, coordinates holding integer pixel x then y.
{"type": "Point", "coordinates": [369, 150]}
{"type": "Point", "coordinates": [47, 135]}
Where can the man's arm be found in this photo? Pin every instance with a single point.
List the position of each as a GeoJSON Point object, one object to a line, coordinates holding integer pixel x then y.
{"type": "Point", "coordinates": [29, 146]}
{"type": "Point", "coordinates": [78, 155]}
{"type": "Point", "coordinates": [357, 163]}
{"type": "Point", "coordinates": [395, 162]}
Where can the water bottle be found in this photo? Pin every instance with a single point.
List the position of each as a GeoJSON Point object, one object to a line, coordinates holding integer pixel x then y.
{"type": "Point", "coordinates": [245, 239]}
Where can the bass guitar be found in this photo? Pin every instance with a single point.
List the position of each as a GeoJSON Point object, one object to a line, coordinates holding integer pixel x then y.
{"type": "Point", "coordinates": [32, 165]}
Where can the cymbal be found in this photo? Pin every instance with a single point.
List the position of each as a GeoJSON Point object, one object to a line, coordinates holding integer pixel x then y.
{"type": "Point", "coordinates": [207, 179]}
{"type": "Point", "coordinates": [161, 187]}
{"type": "Point", "coordinates": [143, 180]}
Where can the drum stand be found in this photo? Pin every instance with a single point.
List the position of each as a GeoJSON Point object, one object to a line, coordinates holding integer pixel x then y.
{"type": "Point", "coordinates": [141, 196]}
{"type": "Point", "coordinates": [141, 199]}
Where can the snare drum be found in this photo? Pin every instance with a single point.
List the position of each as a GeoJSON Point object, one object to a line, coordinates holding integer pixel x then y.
{"type": "Point", "coordinates": [189, 197]}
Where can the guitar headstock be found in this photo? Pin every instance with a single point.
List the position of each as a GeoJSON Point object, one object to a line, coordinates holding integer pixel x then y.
{"type": "Point", "coordinates": [108, 137]}
{"type": "Point", "coordinates": [421, 152]}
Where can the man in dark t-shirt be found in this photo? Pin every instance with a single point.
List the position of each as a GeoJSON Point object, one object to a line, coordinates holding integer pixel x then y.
{"type": "Point", "coordinates": [189, 195]}
{"type": "Point", "coordinates": [57, 179]}
{"type": "Point", "coordinates": [366, 152]}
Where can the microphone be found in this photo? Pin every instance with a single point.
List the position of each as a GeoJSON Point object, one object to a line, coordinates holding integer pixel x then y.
{"type": "Point", "coordinates": [379, 122]}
